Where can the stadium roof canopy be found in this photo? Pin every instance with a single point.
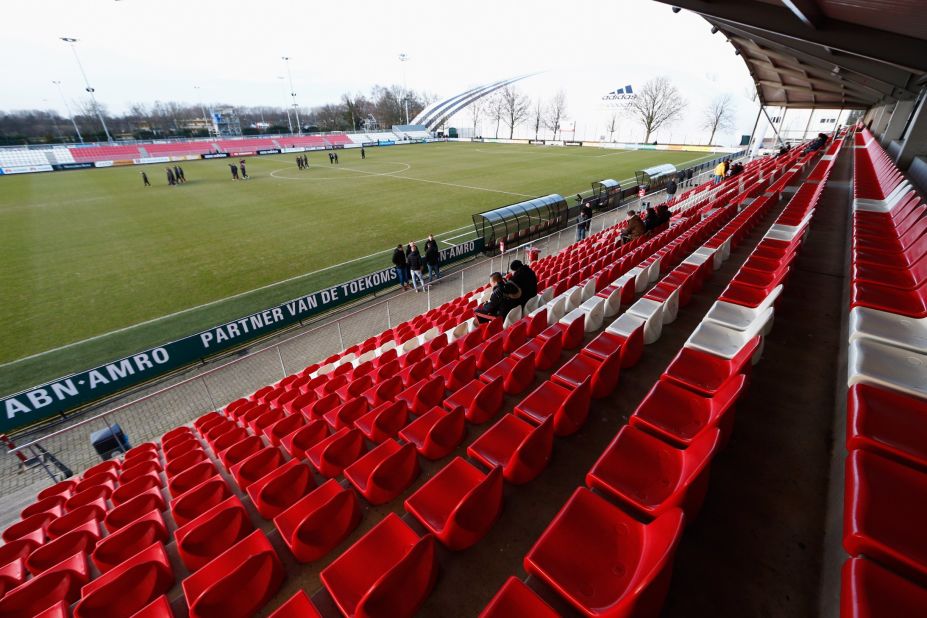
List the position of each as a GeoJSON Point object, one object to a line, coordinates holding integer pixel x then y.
{"type": "Point", "coordinates": [825, 53]}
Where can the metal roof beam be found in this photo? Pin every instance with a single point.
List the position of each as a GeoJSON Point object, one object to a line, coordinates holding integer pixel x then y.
{"type": "Point", "coordinates": [902, 51]}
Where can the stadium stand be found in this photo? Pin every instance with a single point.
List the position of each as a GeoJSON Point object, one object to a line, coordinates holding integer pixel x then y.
{"type": "Point", "coordinates": [887, 462]}
{"type": "Point", "coordinates": [22, 158]}
{"type": "Point", "coordinates": [83, 154]}
{"type": "Point", "coordinates": [245, 144]}
{"type": "Point", "coordinates": [381, 410]}
{"type": "Point", "coordinates": [177, 148]}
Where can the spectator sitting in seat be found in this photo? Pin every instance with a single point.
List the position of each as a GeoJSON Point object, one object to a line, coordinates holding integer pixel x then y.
{"type": "Point", "coordinates": [817, 143]}
{"type": "Point", "coordinates": [650, 220]}
{"type": "Point", "coordinates": [525, 279]}
{"type": "Point", "coordinates": [663, 215]}
{"type": "Point", "coordinates": [503, 298]}
{"type": "Point", "coordinates": [635, 228]}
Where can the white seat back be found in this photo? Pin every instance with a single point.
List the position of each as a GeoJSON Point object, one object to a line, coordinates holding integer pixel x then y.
{"type": "Point", "coordinates": [513, 316]}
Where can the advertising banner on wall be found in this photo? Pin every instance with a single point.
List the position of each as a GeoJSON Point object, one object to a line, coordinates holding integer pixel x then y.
{"type": "Point", "coordinates": [72, 391]}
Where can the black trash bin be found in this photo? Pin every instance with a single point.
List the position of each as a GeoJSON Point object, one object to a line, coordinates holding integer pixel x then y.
{"type": "Point", "coordinates": [110, 441]}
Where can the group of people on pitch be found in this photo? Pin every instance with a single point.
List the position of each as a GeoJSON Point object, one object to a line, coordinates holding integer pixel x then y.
{"type": "Point", "coordinates": [409, 264]}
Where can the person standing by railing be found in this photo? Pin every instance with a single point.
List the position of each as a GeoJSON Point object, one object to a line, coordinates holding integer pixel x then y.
{"type": "Point", "coordinates": [414, 260]}
{"type": "Point", "coordinates": [399, 263]}
{"type": "Point", "coordinates": [432, 258]}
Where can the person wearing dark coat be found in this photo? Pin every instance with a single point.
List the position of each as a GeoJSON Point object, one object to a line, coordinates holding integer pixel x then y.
{"type": "Point", "coordinates": [525, 279]}
{"type": "Point", "coordinates": [234, 169]}
{"type": "Point", "coordinates": [414, 260]}
{"type": "Point", "coordinates": [500, 301]}
{"type": "Point", "coordinates": [650, 221]}
{"type": "Point", "coordinates": [170, 177]}
{"type": "Point", "coordinates": [432, 258]}
{"type": "Point", "coordinates": [663, 215]}
{"type": "Point", "coordinates": [399, 263]}
{"type": "Point", "coordinates": [145, 179]}
{"type": "Point", "coordinates": [671, 188]}
{"type": "Point", "coordinates": [299, 162]}
{"type": "Point", "coordinates": [635, 228]}
{"type": "Point", "coordinates": [183, 177]}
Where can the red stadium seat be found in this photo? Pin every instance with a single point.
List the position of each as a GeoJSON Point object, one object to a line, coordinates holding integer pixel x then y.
{"type": "Point", "coordinates": [53, 505]}
{"type": "Point", "coordinates": [18, 550]}
{"type": "Point", "coordinates": [603, 561]}
{"type": "Point", "coordinates": [888, 422]}
{"type": "Point", "coordinates": [459, 504]}
{"type": "Point", "coordinates": [384, 421]}
{"type": "Point", "coordinates": [648, 476]}
{"type": "Point", "coordinates": [304, 438]}
{"type": "Point", "coordinates": [415, 372]}
{"type": "Point", "coordinates": [96, 493]}
{"type": "Point", "coordinates": [520, 448]}
{"type": "Point", "coordinates": [384, 392]}
{"type": "Point", "coordinates": [481, 401]}
{"type": "Point", "coordinates": [193, 503]}
{"type": "Point", "coordinates": [135, 487]}
{"type": "Point", "coordinates": [544, 349]}
{"type": "Point", "coordinates": [423, 395]}
{"type": "Point", "coordinates": [603, 373]}
{"type": "Point", "coordinates": [130, 510]}
{"type": "Point", "coordinates": [62, 582]}
{"type": "Point", "coordinates": [282, 428]}
{"type": "Point", "coordinates": [875, 524]}
{"type": "Point", "coordinates": [191, 477]}
{"type": "Point", "coordinates": [436, 433]}
{"type": "Point", "coordinates": [240, 451]}
{"type": "Point", "coordinates": [129, 587]}
{"type": "Point", "coordinates": [64, 488]}
{"type": "Point", "coordinates": [89, 512]}
{"type": "Point", "coordinates": [678, 415]}
{"type": "Point", "coordinates": [256, 466]}
{"type": "Point", "coordinates": [80, 540]}
{"type": "Point", "coordinates": [384, 472]}
{"type": "Point", "coordinates": [238, 582]}
{"type": "Point", "coordinates": [207, 536]}
{"type": "Point", "coordinates": [12, 574]}
{"type": "Point", "coordinates": [129, 540]}
{"type": "Point", "coordinates": [316, 523]}
{"type": "Point", "coordinates": [331, 455]}
{"type": "Point", "coordinates": [345, 414]}
{"type": "Point", "coordinates": [278, 490]}
{"type": "Point", "coordinates": [178, 465]}
{"type": "Point", "coordinates": [869, 591]}
{"type": "Point", "coordinates": [568, 407]}
{"type": "Point", "coordinates": [389, 571]}
{"type": "Point", "coordinates": [458, 372]}
{"type": "Point", "coordinates": [297, 606]}
{"type": "Point", "coordinates": [159, 608]}
{"type": "Point", "coordinates": [517, 599]}
{"type": "Point", "coordinates": [34, 526]}
{"type": "Point", "coordinates": [517, 374]}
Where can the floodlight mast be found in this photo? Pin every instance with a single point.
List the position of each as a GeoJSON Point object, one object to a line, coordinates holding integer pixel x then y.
{"type": "Point", "coordinates": [405, 91]}
{"type": "Point", "coordinates": [71, 41]}
{"type": "Point", "coordinates": [286, 107]}
{"type": "Point", "coordinates": [299, 128]}
{"type": "Point", "coordinates": [68, 110]}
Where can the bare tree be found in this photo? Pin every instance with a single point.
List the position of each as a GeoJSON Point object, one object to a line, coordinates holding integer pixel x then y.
{"type": "Point", "coordinates": [514, 107]}
{"type": "Point", "coordinates": [719, 115]}
{"type": "Point", "coordinates": [556, 112]}
{"type": "Point", "coordinates": [656, 104]}
{"type": "Point", "coordinates": [612, 125]}
{"type": "Point", "coordinates": [538, 117]}
{"type": "Point", "coordinates": [477, 108]}
{"type": "Point", "coordinates": [496, 108]}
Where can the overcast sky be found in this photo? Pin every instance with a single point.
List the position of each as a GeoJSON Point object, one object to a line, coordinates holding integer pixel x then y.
{"type": "Point", "coordinates": [140, 51]}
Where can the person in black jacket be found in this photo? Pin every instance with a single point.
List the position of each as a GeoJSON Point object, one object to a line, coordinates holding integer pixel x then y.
{"type": "Point", "coordinates": [671, 188]}
{"type": "Point", "coordinates": [525, 279]}
{"type": "Point", "coordinates": [414, 260]}
{"type": "Point", "coordinates": [500, 301]}
{"type": "Point", "coordinates": [650, 221]}
{"type": "Point", "coordinates": [399, 263]}
{"type": "Point", "coordinates": [432, 258]}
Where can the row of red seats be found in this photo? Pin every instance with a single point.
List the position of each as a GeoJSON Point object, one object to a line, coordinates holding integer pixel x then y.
{"type": "Point", "coordinates": [885, 495]}
{"type": "Point", "coordinates": [610, 552]}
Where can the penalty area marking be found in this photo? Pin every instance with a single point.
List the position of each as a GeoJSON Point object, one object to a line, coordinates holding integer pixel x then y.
{"type": "Point", "coordinates": [275, 173]}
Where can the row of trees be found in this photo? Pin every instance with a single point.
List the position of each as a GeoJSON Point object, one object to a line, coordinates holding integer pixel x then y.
{"type": "Point", "coordinates": [657, 104]}
{"type": "Point", "coordinates": [383, 106]}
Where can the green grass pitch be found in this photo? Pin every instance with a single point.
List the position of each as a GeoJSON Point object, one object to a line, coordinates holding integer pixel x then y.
{"type": "Point", "coordinates": [91, 252]}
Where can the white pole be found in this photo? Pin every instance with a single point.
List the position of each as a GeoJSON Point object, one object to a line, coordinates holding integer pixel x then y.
{"type": "Point", "coordinates": [299, 128]}
{"type": "Point", "coordinates": [90, 90]}
{"type": "Point", "coordinates": [286, 106]}
{"type": "Point", "coordinates": [68, 109]}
